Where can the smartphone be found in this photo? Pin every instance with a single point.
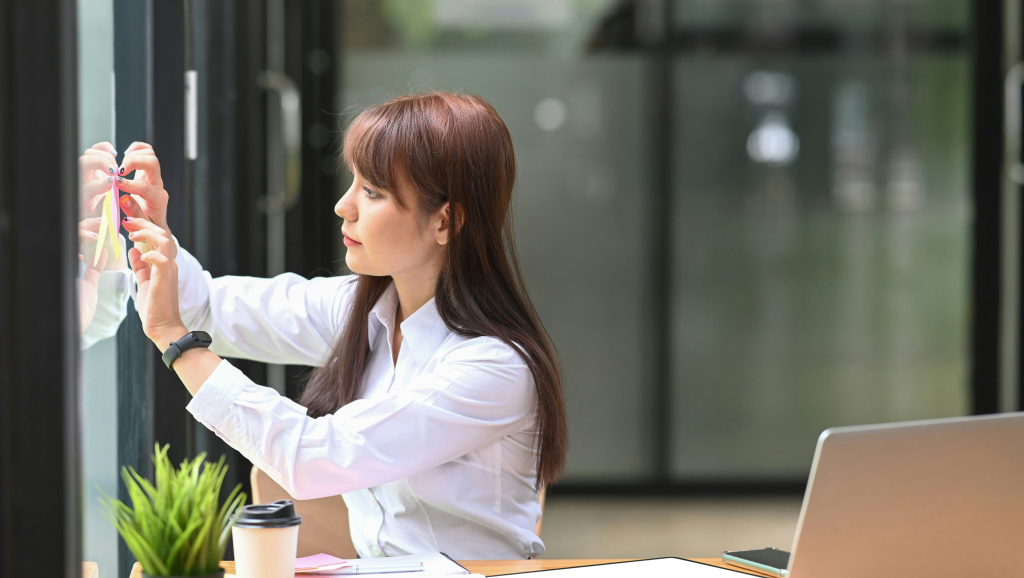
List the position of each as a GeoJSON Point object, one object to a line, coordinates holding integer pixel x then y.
{"type": "Point", "coordinates": [771, 561]}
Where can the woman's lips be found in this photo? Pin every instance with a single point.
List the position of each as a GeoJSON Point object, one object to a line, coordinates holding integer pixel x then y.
{"type": "Point", "coordinates": [350, 242]}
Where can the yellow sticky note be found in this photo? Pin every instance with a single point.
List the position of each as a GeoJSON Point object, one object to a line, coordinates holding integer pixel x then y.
{"type": "Point", "coordinates": [104, 224]}
{"type": "Point", "coordinates": [115, 222]}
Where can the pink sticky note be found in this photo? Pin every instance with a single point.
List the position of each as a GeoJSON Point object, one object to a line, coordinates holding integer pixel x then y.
{"type": "Point", "coordinates": [115, 207]}
{"type": "Point", "coordinates": [316, 561]}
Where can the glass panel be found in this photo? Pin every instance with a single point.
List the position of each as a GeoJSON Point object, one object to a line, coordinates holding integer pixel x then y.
{"type": "Point", "coordinates": [582, 190]}
{"type": "Point", "coordinates": [820, 209]}
{"type": "Point", "coordinates": [821, 226]}
{"type": "Point", "coordinates": [97, 292]}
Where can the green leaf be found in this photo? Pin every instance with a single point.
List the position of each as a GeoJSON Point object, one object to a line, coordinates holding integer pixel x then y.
{"type": "Point", "coordinates": [176, 525]}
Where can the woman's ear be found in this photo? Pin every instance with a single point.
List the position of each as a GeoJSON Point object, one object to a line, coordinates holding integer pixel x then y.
{"type": "Point", "coordinates": [444, 227]}
{"type": "Point", "coordinates": [447, 224]}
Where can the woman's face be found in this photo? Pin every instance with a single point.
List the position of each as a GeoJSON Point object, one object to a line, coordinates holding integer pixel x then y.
{"type": "Point", "coordinates": [385, 239]}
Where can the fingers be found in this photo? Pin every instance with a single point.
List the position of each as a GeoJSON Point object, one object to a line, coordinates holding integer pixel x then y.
{"type": "Point", "coordinates": [143, 161]}
{"type": "Point", "coordinates": [90, 224]}
{"type": "Point", "coordinates": [88, 229]}
{"type": "Point", "coordinates": [87, 233]}
{"type": "Point", "coordinates": [141, 268]}
{"type": "Point", "coordinates": [155, 258]}
{"type": "Point", "coordinates": [143, 231]}
{"type": "Point", "coordinates": [102, 263]}
{"type": "Point", "coordinates": [92, 274]}
{"type": "Point", "coordinates": [137, 146]}
{"type": "Point", "coordinates": [133, 224]}
{"type": "Point", "coordinates": [91, 192]}
{"type": "Point", "coordinates": [153, 239]}
{"type": "Point", "coordinates": [132, 209]}
{"type": "Point", "coordinates": [104, 146]}
{"type": "Point", "coordinates": [96, 160]}
{"type": "Point", "coordinates": [153, 194]}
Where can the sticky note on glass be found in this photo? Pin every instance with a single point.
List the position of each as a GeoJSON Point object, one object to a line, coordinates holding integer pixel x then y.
{"type": "Point", "coordinates": [110, 222]}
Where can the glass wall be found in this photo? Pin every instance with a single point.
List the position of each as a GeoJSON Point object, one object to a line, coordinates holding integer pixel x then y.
{"type": "Point", "coordinates": [102, 289]}
{"type": "Point", "coordinates": [819, 210]}
{"type": "Point", "coordinates": [820, 226]}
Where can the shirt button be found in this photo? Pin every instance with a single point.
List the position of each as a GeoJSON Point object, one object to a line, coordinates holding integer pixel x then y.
{"type": "Point", "coordinates": [378, 552]}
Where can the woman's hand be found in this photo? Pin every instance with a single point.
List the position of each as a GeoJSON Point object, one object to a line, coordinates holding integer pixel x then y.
{"type": "Point", "coordinates": [97, 169]}
{"type": "Point", "coordinates": [88, 230]}
{"type": "Point", "coordinates": [88, 292]}
{"type": "Point", "coordinates": [146, 197]}
{"type": "Point", "coordinates": [157, 276]}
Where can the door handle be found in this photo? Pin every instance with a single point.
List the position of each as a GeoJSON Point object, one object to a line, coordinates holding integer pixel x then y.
{"type": "Point", "coordinates": [1012, 127]}
{"type": "Point", "coordinates": [291, 131]}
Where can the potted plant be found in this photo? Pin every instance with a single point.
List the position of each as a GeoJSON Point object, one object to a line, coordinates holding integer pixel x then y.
{"type": "Point", "coordinates": [177, 526]}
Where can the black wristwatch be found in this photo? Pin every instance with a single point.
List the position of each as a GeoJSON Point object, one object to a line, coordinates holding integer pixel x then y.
{"type": "Point", "coordinates": [191, 339]}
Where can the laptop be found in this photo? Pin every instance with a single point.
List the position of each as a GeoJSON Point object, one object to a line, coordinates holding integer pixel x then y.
{"type": "Point", "coordinates": [927, 498]}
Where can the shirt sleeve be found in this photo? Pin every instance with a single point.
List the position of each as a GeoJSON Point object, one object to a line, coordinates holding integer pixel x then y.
{"type": "Point", "coordinates": [111, 306]}
{"type": "Point", "coordinates": [482, 391]}
{"type": "Point", "coordinates": [286, 319]}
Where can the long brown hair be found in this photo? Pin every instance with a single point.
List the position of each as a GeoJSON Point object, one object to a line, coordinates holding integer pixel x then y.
{"type": "Point", "coordinates": [454, 149]}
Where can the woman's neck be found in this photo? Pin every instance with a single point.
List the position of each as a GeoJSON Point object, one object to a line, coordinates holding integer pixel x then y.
{"type": "Point", "coordinates": [413, 292]}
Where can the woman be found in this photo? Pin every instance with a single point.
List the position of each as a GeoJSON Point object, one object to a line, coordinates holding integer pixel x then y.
{"type": "Point", "coordinates": [436, 408]}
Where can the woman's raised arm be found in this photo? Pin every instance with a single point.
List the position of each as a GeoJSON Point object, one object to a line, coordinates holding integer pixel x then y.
{"type": "Point", "coordinates": [285, 319]}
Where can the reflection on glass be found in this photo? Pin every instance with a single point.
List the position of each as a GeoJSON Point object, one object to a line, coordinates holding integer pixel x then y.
{"type": "Point", "coordinates": [102, 284]}
{"type": "Point", "coordinates": [819, 233]}
{"type": "Point", "coordinates": [104, 279]}
{"type": "Point", "coordinates": [820, 226]}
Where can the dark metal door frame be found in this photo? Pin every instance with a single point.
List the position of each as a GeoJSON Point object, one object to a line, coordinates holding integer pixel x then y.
{"type": "Point", "coordinates": [39, 358]}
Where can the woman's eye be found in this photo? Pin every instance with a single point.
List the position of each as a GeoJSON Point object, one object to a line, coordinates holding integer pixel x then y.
{"type": "Point", "coordinates": [372, 194]}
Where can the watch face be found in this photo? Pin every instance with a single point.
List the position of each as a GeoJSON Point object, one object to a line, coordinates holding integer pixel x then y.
{"type": "Point", "coordinates": [202, 337]}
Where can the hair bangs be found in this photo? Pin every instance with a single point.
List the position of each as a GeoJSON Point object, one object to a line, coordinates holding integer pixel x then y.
{"type": "Point", "coordinates": [374, 148]}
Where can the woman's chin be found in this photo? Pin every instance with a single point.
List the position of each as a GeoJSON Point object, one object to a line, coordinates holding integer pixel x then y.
{"type": "Point", "coordinates": [359, 266]}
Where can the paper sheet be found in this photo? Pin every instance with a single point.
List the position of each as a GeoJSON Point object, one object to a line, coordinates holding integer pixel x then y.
{"type": "Point", "coordinates": [110, 223]}
{"type": "Point", "coordinates": [656, 568]}
{"type": "Point", "coordinates": [115, 220]}
{"type": "Point", "coordinates": [102, 233]}
{"type": "Point", "coordinates": [434, 565]}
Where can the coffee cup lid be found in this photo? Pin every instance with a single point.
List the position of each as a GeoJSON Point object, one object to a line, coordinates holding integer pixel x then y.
{"type": "Point", "coordinates": [279, 514]}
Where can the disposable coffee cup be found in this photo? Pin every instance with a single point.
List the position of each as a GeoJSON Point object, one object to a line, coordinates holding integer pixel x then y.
{"type": "Point", "coordinates": [266, 537]}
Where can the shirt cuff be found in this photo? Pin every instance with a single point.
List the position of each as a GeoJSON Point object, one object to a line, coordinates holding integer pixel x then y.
{"type": "Point", "coordinates": [212, 404]}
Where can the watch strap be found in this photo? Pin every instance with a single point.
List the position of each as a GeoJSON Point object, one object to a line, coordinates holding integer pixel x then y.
{"type": "Point", "coordinates": [190, 340]}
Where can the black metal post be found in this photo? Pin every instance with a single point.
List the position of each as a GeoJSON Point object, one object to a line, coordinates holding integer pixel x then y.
{"type": "Point", "coordinates": [987, 35]}
{"type": "Point", "coordinates": [655, 30]}
{"type": "Point", "coordinates": [133, 51]}
{"type": "Point", "coordinates": [39, 404]}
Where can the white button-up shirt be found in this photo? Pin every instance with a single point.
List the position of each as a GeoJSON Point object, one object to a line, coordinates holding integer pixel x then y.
{"type": "Point", "coordinates": [437, 454]}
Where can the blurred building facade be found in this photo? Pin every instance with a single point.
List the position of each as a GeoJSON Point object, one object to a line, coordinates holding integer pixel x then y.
{"type": "Point", "coordinates": [742, 221]}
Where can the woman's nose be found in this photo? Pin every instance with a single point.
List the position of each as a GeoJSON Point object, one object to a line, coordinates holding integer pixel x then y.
{"type": "Point", "coordinates": [344, 208]}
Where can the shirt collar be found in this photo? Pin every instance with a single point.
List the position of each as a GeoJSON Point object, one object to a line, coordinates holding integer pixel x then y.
{"type": "Point", "coordinates": [422, 332]}
{"type": "Point", "coordinates": [382, 315]}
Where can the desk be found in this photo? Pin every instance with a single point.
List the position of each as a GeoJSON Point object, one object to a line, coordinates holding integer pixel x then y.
{"type": "Point", "coordinates": [495, 567]}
